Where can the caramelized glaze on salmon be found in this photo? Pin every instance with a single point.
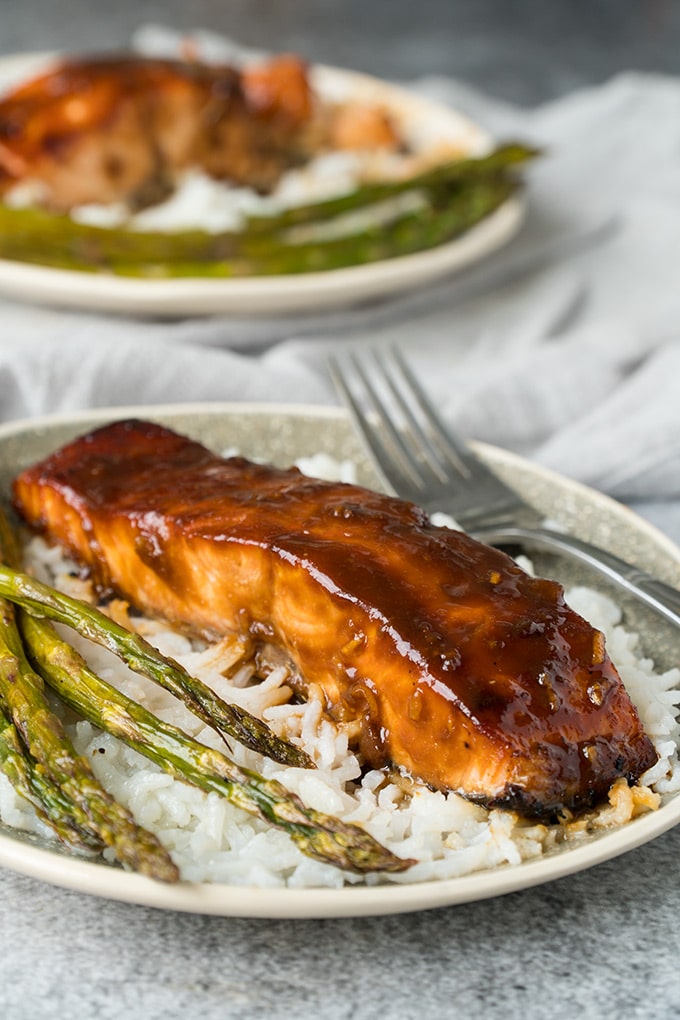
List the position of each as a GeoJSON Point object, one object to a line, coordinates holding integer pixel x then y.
{"type": "Point", "coordinates": [464, 671]}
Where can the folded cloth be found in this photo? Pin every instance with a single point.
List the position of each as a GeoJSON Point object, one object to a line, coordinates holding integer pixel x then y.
{"type": "Point", "coordinates": [575, 365]}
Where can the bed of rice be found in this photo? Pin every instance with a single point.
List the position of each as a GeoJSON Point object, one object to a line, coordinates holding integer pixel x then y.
{"type": "Point", "coordinates": [212, 841]}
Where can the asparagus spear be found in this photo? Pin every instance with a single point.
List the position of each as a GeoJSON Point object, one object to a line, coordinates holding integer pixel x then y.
{"type": "Point", "coordinates": [418, 230]}
{"type": "Point", "coordinates": [36, 236]}
{"type": "Point", "coordinates": [67, 820]}
{"type": "Point", "coordinates": [31, 236]}
{"type": "Point", "coordinates": [318, 835]}
{"type": "Point", "coordinates": [266, 246]}
{"type": "Point", "coordinates": [454, 172]}
{"type": "Point", "coordinates": [42, 732]}
{"type": "Point", "coordinates": [42, 600]}
{"type": "Point", "coordinates": [48, 801]}
{"type": "Point", "coordinates": [62, 783]}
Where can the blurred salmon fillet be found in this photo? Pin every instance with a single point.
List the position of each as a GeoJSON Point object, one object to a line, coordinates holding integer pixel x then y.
{"type": "Point", "coordinates": [110, 129]}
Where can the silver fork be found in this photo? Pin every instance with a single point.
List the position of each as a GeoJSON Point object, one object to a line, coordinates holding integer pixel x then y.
{"type": "Point", "coordinates": [421, 459]}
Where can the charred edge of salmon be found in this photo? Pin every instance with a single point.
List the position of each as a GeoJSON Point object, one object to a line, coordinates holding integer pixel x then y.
{"type": "Point", "coordinates": [515, 798]}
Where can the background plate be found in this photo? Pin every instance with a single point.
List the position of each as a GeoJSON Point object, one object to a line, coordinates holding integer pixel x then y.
{"type": "Point", "coordinates": [281, 434]}
{"type": "Point", "coordinates": [278, 294]}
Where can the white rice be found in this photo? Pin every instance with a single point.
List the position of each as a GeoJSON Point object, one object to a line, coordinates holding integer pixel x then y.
{"type": "Point", "coordinates": [212, 841]}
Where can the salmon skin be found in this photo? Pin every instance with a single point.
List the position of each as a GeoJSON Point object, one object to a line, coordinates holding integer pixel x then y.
{"type": "Point", "coordinates": [455, 666]}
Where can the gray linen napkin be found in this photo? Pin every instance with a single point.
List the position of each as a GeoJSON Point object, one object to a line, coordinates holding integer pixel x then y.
{"type": "Point", "coordinates": [576, 365]}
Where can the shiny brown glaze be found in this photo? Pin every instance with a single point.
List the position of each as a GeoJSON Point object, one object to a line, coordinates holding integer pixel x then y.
{"type": "Point", "coordinates": [121, 128]}
{"type": "Point", "coordinates": [464, 671]}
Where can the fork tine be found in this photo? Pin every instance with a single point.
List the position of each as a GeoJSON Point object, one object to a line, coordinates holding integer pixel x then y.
{"type": "Point", "coordinates": [426, 430]}
{"type": "Point", "coordinates": [410, 444]}
{"type": "Point", "coordinates": [386, 419]}
{"type": "Point", "coordinates": [412, 396]}
{"type": "Point", "coordinates": [380, 434]}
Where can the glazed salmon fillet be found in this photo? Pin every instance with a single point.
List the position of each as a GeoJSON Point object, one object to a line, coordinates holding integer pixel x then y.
{"type": "Point", "coordinates": [455, 666]}
{"type": "Point", "coordinates": [124, 128]}
{"type": "Point", "coordinates": [106, 129]}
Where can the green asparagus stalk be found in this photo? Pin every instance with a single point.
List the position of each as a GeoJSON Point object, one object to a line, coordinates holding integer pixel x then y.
{"type": "Point", "coordinates": [410, 232]}
{"type": "Point", "coordinates": [454, 198]}
{"type": "Point", "coordinates": [318, 835]}
{"type": "Point", "coordinates": [66, 819]}
{"type": "Point", "coordinates": [48, 801]}
{"type": "Point", "coordinates": [92, 249]}
{"type": "Point", "coordinates": [54, 777]}
{"type": "Point", "coordinates": [43, 734]}
{"type": "Point", "coordinates": [444, 175]}
{"type": "Point", "coordinates": [42, 600]}
{"type": "Point", "coordinates": [414, 231]}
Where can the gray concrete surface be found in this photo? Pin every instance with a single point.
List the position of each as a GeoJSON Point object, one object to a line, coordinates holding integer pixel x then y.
{"type": "Point", "coordinates": [525, 50]}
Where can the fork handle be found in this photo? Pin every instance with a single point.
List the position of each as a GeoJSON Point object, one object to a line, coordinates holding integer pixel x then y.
{"type": "Point", "coordinates": [638, 583]}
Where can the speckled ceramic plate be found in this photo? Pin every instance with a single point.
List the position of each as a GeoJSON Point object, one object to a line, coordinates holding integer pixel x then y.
{"type": "Point", "coordinates": [282, 434]}
{"type": "Point", "coordinates": [277, 294]}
